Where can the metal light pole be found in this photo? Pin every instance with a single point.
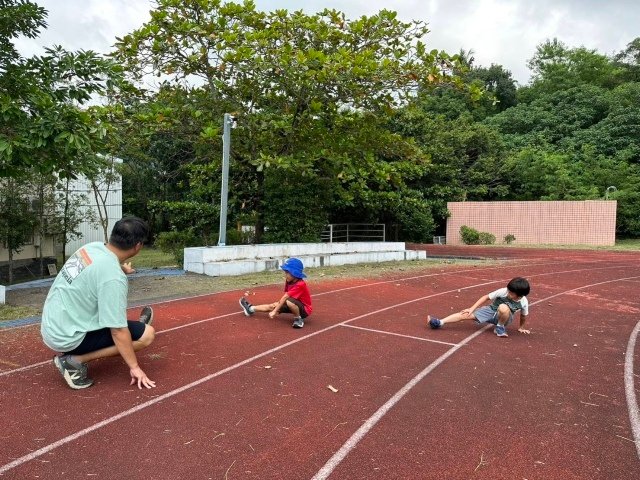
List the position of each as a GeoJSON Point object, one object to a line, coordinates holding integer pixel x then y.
{"type": "Point", "coordinates": [226, 146]}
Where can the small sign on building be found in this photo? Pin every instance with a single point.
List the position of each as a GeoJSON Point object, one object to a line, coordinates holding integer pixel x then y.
{"type": "Point", "coordinates": [53, 270]}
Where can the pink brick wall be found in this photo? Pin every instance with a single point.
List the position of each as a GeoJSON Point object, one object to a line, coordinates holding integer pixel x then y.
{"type": "Point", "coordinates": [591, 222]}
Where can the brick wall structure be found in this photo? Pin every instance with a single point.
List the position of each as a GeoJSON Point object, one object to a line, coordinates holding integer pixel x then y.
{"type": "Point", "coordinates": [590, 222]}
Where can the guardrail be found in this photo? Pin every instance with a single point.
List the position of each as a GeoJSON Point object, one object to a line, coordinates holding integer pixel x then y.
{"type": "Point", "coordinates": [353, 232]}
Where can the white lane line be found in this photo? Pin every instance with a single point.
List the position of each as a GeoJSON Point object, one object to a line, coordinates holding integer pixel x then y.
{"type": "Point", "coordinates": [27, 367]}
{"type": "Point", "coordinates": [350, 444]}
{"type": "Point", "coordinates": [366, 427]}
{"type": "Point", "coordinates": [422, 339]}
{"type": "Point", "coordinates": [629, 387]}
{"type": "Point", "coordinates": [197, 322]}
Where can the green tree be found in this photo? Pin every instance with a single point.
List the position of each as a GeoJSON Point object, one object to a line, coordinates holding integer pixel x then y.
{"type": "Point", "coordinates": [17, 218]}
{"type": "Point", "coordinates": [41, 124]}
{"type": "Point", "coordinates": [293, 80]}
{"type": "Point", "coordinates": [465, 157]}
{"type": "Point", "coordinates": [628, 60]}
{"type": "Point", "coordinates": [67, 212]}
{"type": "Point", "coordinates": [555, 66]}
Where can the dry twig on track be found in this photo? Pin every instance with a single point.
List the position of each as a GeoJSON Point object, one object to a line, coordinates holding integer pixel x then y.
{"type": "Point", "coordinates": [227, 472]}
{"type": "Point", "coordinates": [483, 462]}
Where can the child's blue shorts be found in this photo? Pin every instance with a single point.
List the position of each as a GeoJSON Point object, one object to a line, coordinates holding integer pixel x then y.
{"type": "Point", "coordinates": [487, 315]}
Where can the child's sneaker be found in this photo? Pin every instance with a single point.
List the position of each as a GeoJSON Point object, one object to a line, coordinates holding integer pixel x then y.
{"type": "Point", "coordinates": [500, 331]}
{"type": "Point", "coordinates": [246, 306]}
{"type": "Point", "coordinates": [434, 322]}
{"type": "Point", "coordinates": [146, 315]}
{"type": "Point", "coordinates": [298, 322]}
{"type": "Point", "coordinates": [76, 377]}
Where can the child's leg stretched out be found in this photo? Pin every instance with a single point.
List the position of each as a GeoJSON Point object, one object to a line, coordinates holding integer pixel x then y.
{"type": "Point", "coordinates": [454, 317]}
{"type": "Point", "coordinates": [266, 307]}
{"type": "Point", "coordinates": [500, 318]}
{"type": "Point", "coordinates": [291, 305]}
{"type": "Point", "coordinates": [251, 309]}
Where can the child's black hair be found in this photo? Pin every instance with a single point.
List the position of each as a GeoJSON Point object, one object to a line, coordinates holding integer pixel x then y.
{"type": "Point", "coordinates": [519, 286]}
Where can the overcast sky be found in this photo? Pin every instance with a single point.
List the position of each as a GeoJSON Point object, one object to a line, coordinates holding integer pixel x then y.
{"type": "Point", "coordinates": [505, 32]}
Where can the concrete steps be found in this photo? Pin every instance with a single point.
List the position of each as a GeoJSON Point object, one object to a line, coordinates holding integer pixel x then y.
{"type": "Point", "coordinates": [241, 259]}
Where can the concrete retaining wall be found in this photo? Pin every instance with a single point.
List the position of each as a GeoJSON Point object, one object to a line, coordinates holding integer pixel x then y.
{"type": "Point", "coordinates": [242, 259]}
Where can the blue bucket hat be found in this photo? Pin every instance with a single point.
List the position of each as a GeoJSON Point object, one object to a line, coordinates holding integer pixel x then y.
{"type": "Point", "coordinates": [294, 267]}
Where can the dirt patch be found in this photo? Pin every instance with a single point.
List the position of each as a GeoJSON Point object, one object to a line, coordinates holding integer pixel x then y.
{"type": "Point", "coordinates": [151, 289]}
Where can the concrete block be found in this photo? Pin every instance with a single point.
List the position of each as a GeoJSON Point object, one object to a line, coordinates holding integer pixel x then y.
{"type": "Point", "coordinates": [242, 259]}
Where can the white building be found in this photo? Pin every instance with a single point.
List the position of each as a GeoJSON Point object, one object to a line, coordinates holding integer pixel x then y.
{"type": "Point", "coordinates": [110, 201]}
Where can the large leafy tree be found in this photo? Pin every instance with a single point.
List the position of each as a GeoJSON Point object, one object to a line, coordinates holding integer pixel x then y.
{"type": "Point", "coordinates": [298, 84]}
{"type": "Point", "coordinates": [41, 124]}
{"type": "Point", "coordinates": [555, 66]}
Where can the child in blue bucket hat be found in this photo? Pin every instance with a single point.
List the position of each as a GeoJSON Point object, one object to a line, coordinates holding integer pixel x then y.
{"type": "Point", "coordinates": [296, 298]}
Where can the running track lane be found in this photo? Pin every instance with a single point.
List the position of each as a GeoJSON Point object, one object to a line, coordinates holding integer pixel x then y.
{"type": "Point", "coordinates": [391, 352]}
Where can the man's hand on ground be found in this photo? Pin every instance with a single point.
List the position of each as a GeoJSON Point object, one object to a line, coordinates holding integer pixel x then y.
{"type": "Point", "coordinates": [137, 375]}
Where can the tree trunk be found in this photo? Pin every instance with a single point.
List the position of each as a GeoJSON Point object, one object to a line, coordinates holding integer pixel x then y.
{"type": "Point", "coordinates": [259, 213]}
{"type": "Point", "coordinates": [10, 266]}
{"type": "Point", "coordinates": [64, 223]}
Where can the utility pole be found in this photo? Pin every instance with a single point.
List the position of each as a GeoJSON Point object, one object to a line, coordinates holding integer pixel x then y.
{"type": "Point", "coordinates": [229, 122]}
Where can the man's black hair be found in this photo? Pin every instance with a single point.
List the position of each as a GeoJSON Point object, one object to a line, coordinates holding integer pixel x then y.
{"type": "Point", "coordinates": [128, 232]}
{"type": "Point", "coordinates": [519, 286]}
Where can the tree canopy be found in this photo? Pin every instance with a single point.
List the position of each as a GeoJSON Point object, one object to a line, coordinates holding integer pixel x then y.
{"type": "Point", "coordinates": [41, 124]}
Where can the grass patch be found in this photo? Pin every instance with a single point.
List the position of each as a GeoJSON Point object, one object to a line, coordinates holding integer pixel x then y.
{"type": "Point", "coordinates": [627, 244]}
{"type": "Point", "coordinates": [153, 258]}
{"type": "Point", "coordinates": [147, 258]}
{"type": "Point", "coordinates": [9, 312]}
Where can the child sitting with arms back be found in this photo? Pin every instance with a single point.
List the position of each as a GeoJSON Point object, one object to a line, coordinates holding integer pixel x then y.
{"type": "Point", "coordinates": [296, 298]}
{"type": "Point", "coordinates": [505, 303]}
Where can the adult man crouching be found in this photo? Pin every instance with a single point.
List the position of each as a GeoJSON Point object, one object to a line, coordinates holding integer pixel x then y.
{"type": "Point", "coordinates": [85, 314]}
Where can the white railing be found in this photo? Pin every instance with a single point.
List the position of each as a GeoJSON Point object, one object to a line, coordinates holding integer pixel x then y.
{"type": "Point", "coordinates": [353, 232]}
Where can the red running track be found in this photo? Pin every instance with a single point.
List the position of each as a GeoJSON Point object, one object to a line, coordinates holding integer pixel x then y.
{"type": "Point", "coordinates": [249, 398]}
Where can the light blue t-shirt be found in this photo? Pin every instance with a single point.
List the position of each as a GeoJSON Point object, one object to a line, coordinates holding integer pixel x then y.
{"type": "Point", "coordinates": [89, 293]}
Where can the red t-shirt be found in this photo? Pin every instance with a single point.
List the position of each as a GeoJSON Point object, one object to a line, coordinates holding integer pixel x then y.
{"type": "Point", "coordinates": [299, 291]}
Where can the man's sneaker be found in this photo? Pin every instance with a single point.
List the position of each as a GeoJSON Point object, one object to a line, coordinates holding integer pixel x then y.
{"type": "Point", "coordinates": [298, 322]}
{"type": "Point", "coordinates": [246, 306]}
{"type": "Point", "coordinates": [434, 322]}
{"type": "Point", "coordinates": [146, 315]}
{"type": "Point", "coordinates": [76, 377]}
{"type": "Point", "coordinates": [500, 331]}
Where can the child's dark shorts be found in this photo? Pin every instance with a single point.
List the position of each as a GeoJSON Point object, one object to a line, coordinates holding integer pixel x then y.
{"type": "Point", "coordinates": [285, 307]}
{"type": "Point", "coordinates": [99, 339]}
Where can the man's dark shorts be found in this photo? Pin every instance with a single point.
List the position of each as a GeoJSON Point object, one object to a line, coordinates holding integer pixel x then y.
{"type": "Point", "coordinates": [285, 307]}
{"type": "Point", "coordinates": [99, 339]}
